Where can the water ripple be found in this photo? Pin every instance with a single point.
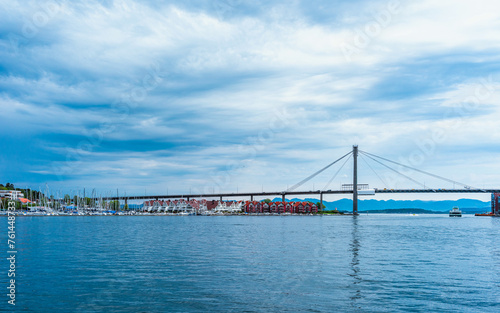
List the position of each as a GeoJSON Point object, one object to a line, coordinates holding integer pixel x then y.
{"type": "Point", "coordinates": [370, 263]}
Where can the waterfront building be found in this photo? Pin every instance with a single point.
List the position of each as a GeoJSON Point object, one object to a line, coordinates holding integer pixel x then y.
{"type": "Point", "coordinates": [11, 194]}
{"type": "Point", "coordinates": [298, 208]}
{"type": "Point", "coordinates": [228, 207]}
{"type": "Point", "coordinates": [272, 207]}
{"type": "Point", "coordinates": [307, 207]}
{"type": "Point", "coordinates": [281, 207]}
{"type": "Point", "coordinates": [265, 207]}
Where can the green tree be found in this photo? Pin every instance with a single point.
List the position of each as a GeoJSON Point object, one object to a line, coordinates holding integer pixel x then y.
{"type": "Point", "coordinates": [320, 206]}
{"type": "Point", "coordinates": [88, 201]}
{"type": "Point", "coordinates": [114, 205]}
{"type": "Point", "coordinates": [267, 201]}
{"type": "Point", "coordinates": [67, 199]}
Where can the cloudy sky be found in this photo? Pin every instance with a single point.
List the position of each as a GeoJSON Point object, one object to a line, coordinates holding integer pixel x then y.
{"type": "Point", "coordinates": [236, 95]}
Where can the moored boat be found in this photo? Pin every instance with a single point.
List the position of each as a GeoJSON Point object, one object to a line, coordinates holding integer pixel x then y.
{"type": "Point", "coordinates": [484, 214]}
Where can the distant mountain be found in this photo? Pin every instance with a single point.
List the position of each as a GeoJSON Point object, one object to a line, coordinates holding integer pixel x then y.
{"type": "Point", "coordinates": [466, 205]}
{"type": "Point", "coordinates": [403, 211]}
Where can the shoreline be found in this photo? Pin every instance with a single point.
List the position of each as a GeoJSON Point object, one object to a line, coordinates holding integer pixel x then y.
{"type": "Point", "coordinates": [23, 214]}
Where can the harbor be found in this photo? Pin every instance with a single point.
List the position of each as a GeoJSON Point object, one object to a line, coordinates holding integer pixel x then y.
{"type": "Point", "coordinates": [182, 208]}
{"type": "Point", "coordinates": [250, 156]}
{"type": "Point", "coordinates": [38, 203]}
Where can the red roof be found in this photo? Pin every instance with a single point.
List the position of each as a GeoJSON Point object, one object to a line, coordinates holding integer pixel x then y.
{"type": "Point", "coordinates": [24, 200]}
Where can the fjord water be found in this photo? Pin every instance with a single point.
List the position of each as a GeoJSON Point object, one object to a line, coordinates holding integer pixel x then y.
{"type": "Point", "coordinates": [369, 263]}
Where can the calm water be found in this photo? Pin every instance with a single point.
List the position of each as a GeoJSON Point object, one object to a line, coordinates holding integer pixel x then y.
{"type": "Point", "coordinates": [375, 263]}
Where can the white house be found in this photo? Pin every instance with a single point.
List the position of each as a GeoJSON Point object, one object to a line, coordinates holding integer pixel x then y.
{"type": "Point", "coordinates": [11, 194]}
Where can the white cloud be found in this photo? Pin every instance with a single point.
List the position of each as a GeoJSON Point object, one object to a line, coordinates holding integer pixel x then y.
{"type": "Point", "coordinates": [222, 83]}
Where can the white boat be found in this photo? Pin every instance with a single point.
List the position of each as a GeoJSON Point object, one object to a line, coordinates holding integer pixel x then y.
{"type": "Point", "coordinates": [455, 212]}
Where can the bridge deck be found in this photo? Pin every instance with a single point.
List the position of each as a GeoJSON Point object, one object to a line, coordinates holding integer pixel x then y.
{"type": "Point", "coordinates": [295, 193]}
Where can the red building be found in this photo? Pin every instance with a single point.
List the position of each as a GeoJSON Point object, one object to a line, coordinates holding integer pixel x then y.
{"type": "Point", "coordinates": [277, 207]}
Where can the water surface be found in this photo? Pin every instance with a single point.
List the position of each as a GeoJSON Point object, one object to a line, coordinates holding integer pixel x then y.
{"type": "Point", "coordinates": [369, 263]}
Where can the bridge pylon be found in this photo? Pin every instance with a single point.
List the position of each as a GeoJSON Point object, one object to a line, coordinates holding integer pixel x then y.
{"type": "Point", "coordinates": [355, 181]}
{"type": "Point", "coordinates": [495, 205]}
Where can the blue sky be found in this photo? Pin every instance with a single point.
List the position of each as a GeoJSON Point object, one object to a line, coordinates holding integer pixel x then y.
{"type": "Point", "coordinates": [246, 95]}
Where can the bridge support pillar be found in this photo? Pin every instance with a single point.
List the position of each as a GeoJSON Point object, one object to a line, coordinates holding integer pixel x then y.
{"type": "Point", "coordinates": [355, 181]}
{"type": "Point", "coordinates": [495, 210]}
{"type": "Point", "coordinates": [251, 198]}
{"type": "Point", "coordinates": [283, 198]}
{"type": "Point", "coordinates": [220, 198]}
{"type": "Point", "coordinates": [320, 202]}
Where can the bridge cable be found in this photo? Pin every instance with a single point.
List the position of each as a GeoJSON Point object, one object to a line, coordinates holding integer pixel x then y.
{"type": "Point", "coordinates": [420, 171]}
{"type": "Point", "coordinates": [383, 181]}
{"type": "Point", "coordinates": [328, 184]}
{"type": "Point", "coordinates": [408, 177]}
{"type": "Point", "coordinates": [315, 174]}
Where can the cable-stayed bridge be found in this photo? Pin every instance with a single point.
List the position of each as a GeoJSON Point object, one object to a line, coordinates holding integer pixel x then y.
{"type": "Point", "coordinates": [355, 189]}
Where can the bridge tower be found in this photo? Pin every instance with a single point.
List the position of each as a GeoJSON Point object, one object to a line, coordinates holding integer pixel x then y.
{"type": "Point", "coordinates": [355, 181]}
{"type": "Point", "coordinates": [495, 209]}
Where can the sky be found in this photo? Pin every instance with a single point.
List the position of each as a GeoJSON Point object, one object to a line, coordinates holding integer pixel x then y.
{"type": "Point", "coordinates": [178, 97]}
